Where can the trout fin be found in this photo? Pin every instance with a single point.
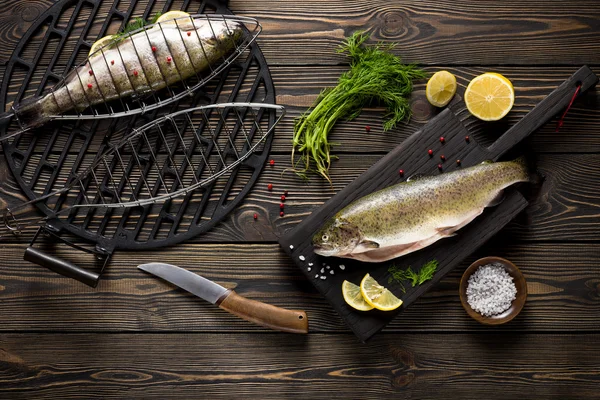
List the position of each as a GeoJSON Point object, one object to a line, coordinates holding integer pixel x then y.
{"type": "Point", "coordinates": [30, 113]}
{"type": "Point", "coordinates": [498, 199]}
{"type": "Point", "coordinates": [366, 245]}
{"type": "Point", "coordinates": [416, 177]}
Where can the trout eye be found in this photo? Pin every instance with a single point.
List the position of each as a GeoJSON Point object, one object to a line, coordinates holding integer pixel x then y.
{"type": "Point", "coordinates": [325, 237]}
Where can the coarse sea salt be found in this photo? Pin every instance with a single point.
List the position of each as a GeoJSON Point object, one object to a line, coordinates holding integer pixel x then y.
{"type": "Point", "coordinates": [302, 258]}
{"type": "Point", "coordinates": [491, 290]}
{"type": "Point", "coordinates": [342, 267]}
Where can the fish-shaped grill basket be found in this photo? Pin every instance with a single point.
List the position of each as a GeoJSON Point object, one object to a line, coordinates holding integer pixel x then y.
{"type": "Point", "coordinates": [139, 71]}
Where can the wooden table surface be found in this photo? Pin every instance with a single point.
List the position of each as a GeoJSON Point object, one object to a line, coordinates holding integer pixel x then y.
{"type": "Point", "coordinates": [135, 337]}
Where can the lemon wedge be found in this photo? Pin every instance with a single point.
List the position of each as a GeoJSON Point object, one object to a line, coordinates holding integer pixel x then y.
{"type": "Point", "coordinates": [100, 43]}
{"type": "Point", "coordinates": [440, 89]}
{"type": "Point", "coordinates": [353, 297]}
{"type": "Point", "coordinates": [377, 295]}
{"type": "Point", "coordinates": [490, 96]}
{"type": "Point", "coordinates": [168, 16]}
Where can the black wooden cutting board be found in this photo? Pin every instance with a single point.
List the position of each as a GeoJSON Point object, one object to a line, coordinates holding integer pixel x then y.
{"type": "Point", "coordinates": [412, 157]}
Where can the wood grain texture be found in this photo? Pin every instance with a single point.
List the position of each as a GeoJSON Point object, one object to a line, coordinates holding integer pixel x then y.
{"type": "Point", "coordinates": [428, 32]}
{"type": "Point", "coordinates": [563, 285]}
{"type": "Point", "coordinates": [159, 366]}
{"type": "Point", "coordinates": [298, 88]}
{"type": "Point", "coordinates": [564, 207]}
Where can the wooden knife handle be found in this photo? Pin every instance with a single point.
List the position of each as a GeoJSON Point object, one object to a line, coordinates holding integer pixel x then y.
{"type": "Point", "coordinates": [264, 314]}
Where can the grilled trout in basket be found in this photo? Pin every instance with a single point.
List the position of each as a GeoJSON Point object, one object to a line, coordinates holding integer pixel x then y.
{"type": "Point", "coordinates": [159, 55]}
{"type": "Point", "coordinates": [412, 215]}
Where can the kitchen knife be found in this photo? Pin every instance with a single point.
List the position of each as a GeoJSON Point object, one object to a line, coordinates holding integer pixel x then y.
{"type": "Point", "coordinates": [250, 310]}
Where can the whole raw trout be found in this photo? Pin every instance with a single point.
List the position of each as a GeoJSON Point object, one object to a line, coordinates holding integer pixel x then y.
{"type": "Point", "coordinates": [146, 61]}
{"type": "Point", "coordinates": [409, 216]}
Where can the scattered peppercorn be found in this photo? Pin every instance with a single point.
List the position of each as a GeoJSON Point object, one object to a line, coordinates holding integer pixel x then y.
{"type": "Point", "coordinates": [281, 205]}
{"type": "Point", "coordinates": [401, 172]}
{"type": "Point", "coordinates": [281, 214]}
{"type": "Point", "coordinates": [457, 162]}
{"type": "Point", "coordinates": [443, 157]}
{"type": "Point", "coordinates": [440, 167]}
{"type": "Point", "coordinates": [255, 216]}
{"type": "Point", "coordinates": [430, 152]}
{"type": "Point", "coordinates": [272, 162]}
{"type": "Point", "coordinates": [282, 197]}
{"type": "Point", "coordinates": [91, 72]}
{"type": "Point", "coordinates": [368, 128]}
{"type": "Point", "coordinates": [189, 33]}
{"type": "Point", "coordinates": [89, 86]}
{"type": "Point", "coordinates": [135, 73]}
{"type": "Point", "coordinates": [169, 60]}
{"type": "Point", "coordinates": [442, 139]}
{"type": "Point", "coordinates": [112, 62]}
{"type": "Point", "coordinates": [270, 187]}
{"type": "Point", "coordinates": [154, 49]}
{"type": "Point", "coordinates": [467, 139]}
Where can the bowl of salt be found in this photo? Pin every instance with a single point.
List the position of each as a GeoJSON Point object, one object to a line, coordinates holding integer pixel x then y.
{"type": "Point", "coordinates": [493, 291]}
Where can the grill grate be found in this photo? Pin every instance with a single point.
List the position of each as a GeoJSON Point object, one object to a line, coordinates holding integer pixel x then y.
{"type": "Point", "coordinates": [48, 159]}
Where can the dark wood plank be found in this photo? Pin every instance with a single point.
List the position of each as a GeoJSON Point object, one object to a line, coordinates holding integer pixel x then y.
{"type": "Point", "coordinates": [428, 32]}
{"type": "Point", "coordinates": [297, 88]}
{"type": "Point", "coordinates": [562, 281]}
{"type": "Point", "coordinates": [565, 207]}
{"type": "Point", "coordinates": [159, 366]}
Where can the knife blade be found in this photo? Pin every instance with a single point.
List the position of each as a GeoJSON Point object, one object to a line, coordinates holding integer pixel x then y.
{"type": "Point", "coordinates": [251, 310]}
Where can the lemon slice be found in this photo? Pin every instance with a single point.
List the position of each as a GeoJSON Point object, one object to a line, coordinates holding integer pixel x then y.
{"type": "Point", "coordinates": [353, 297]}
{"type": "Point", "coordinates": [440, 89]}
{"type": "Point", "coordinates": [490, 96]}
{"type": "Point", "coordinates": [168, 16]}
{"type": "Point", "coordinates": [377, 295]}
{"type": "Point", "coordinates": [100, 43]}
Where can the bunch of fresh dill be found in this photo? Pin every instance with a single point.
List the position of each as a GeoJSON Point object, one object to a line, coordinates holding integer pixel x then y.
{"type": "Point", "coordinates": [416, 278]}
{"type": "Point", "coordinates": [376, 77]}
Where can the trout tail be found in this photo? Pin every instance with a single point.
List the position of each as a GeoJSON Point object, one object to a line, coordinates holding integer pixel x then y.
{"type": "Point", "coordinates": [527, 171]}
{"type": "Point", "coordinates": [30, 113]}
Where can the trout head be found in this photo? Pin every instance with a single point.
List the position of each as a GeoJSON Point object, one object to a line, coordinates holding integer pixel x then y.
{"type": "Point", "coordinates": [337, 238]}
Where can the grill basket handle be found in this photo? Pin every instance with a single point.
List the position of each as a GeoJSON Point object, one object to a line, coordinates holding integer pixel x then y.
{"type": "Point", "coordinates": [61, 266]}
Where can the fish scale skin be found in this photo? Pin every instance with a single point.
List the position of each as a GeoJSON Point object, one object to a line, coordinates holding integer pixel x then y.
{"type": "Point", "coordinates": [418, 210]}
{"type": "Point", "coordinates": [140, 70]}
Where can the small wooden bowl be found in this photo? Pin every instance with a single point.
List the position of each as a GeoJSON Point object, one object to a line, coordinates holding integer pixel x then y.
{"type": "Point", "coordinates": [517, 304]}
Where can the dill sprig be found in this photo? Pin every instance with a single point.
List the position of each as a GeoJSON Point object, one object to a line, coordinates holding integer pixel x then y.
{"type": "Point", "coordinates": [134, 25]}
{"type": "Point", "coordinates": [376, 77]}
{"type": "Point", "coordinates": [400, 275]}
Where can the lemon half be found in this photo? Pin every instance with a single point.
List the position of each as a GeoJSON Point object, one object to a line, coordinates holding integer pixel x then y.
{"type": "Point", "coordinates": [490, 96]}
{"type": "Point", "coordinates": [353, 297]}
{"type": "Point", "coordinates": [171, 15]}
{"type": "Point", "coordinates": [100, 43]}
{"type": "Point", "coordinates": [441, 88]}
{"type": "Point", "coordinates": [377, 295]}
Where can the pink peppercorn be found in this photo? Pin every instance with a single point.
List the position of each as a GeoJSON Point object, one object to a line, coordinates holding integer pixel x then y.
{"type": "Point", "coordinates": [430, 152]}
{"type": "Point", "coordinates": [255, 216]}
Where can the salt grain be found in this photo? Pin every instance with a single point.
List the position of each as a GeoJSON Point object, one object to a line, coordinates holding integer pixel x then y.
{"type": "Point", "coordinates": [491, 290]}
{"type": "Point", "coordinates": [317, 275]}
{"type": "Point", "coordinates": [332, 272]}
{"type": "Point", "coordinates": [310, 264]}
{"type": "Point", "coordinates": [302, 258]}
{"type": "Point", "coordinates": [322, 270]}
{"type": "Point", "coordinates": [308, 269]}
{"type": "Point", "coordinates": [342, 267]}
{"type": "Point", "coordinates": [291, 247]}
{"type": "Point", "coordinates": [323, 277]}
{"type": "Point", "coordinates": [327, 266]}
